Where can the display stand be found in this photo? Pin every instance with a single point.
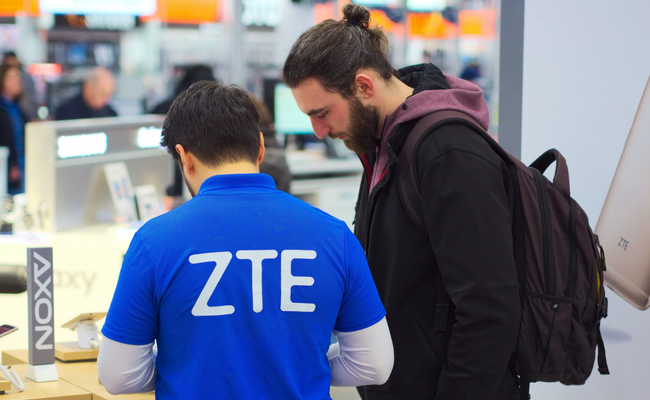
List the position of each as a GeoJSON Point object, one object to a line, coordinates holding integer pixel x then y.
{"type": "Point", "coordinates": [70, 351]}
{"type": "Point", "coordinates": [4, 385]}
{"type": "Point", "coordinates": [42, 373]}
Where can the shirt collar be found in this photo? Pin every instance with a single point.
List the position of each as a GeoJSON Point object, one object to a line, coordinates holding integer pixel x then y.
{"type": "Point", "coordinates": [231, 181]}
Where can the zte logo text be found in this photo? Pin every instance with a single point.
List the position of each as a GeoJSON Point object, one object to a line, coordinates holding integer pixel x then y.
{"type": "Point", "coordinates": [623, 244]}
{"type": "Point", "coordinates": [287, 281]}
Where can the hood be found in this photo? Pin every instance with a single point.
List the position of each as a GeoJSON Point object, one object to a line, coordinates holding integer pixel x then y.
{"type": "Point", "coordinates": [433, 91]}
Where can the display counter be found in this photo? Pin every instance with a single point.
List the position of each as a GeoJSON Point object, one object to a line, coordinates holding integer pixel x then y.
{"type": "Point", "coordinates": [66, 184]}
{"type": "Point", "coordinates": [60, 390]}
{"type": "Point", "coordinates": [83, 375]}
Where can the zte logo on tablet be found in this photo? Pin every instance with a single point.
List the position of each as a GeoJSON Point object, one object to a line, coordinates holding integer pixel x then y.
{"type": "Point", "coordinates": [287, 281]}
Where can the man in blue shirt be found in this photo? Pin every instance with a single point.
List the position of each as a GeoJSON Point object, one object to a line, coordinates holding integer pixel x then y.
{"type": "Point", "coordinates": [241, 287]}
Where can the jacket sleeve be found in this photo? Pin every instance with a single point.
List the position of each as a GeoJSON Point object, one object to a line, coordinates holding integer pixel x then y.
{"type": "Point", "coordinates": [466, 209]}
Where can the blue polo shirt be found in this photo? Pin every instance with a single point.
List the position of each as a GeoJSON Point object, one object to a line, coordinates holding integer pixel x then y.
{"type": "Point", "coordinates": [241, 288]}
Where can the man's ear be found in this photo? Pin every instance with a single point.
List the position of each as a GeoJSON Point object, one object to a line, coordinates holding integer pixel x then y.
{"type": "Point", "coordinates": [187, 160]}
{"type": "Point", "coordinates": [364, 84]}
{"type": "Point", "coordinates": [260, 155]}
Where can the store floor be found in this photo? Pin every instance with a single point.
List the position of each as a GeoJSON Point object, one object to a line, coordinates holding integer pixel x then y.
{"type": "Point", "coordinates": [344, 393]}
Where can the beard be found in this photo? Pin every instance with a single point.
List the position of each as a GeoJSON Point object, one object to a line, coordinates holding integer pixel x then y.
{"type": "Point", "coordinates": [363, 129]}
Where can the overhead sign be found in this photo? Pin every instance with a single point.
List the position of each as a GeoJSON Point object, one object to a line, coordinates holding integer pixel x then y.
{"type": "Point", "coordinates": [477, 23]}
{"type": "Point", "coordinates": [377, 3]}
{"type": "Point", "coordinates": [45, 69]}
{"type": "Point", "coordinates": [379, 18]}
{"type": "Point", "coordinates": [188, 12]}
{"type": "Point", "coordinates": [105, 22]}
{"type": "Point", "coordinates": [426, 5]}
{"type": "Point", "coordinates": [115, 7]}
{"type": "Point", "coordinates": [429, 26]}
{"type": "Point", "coordinates": [9, 8]}
{"type": "Point", "coordinates": [262, 12]}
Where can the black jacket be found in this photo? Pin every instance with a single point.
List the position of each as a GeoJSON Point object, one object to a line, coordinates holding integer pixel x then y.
{"type": "Point", "coordinates": [467, 196]}
{"type": "Point", "coordinates": [7, 137]}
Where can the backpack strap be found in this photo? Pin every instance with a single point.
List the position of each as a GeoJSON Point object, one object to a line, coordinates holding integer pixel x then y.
{"type": "Point", "coordinates": [561, 177]}
{"type": "Point", "coordinates": [409, 187]}
{"type": "Point", "coordinates": [603, 368]}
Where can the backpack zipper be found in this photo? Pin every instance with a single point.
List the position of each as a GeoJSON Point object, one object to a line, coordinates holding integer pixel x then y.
{"type": "Point", "coordinates": [547, 229]}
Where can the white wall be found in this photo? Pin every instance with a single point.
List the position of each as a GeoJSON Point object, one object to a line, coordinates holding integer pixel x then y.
{"type": "Point", "coordinates": [585, 67]}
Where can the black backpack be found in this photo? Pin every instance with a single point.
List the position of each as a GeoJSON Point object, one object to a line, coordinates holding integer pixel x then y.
{"type": "Point", "coordinates": [559, 262]}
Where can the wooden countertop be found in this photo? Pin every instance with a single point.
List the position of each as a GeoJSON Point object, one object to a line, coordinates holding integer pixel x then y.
{"type": "Point", "coordinates": [60, 390]}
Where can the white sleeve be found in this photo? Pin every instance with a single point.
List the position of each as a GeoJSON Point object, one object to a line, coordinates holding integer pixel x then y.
{"type": "Point", "coordinates": [126, 368]}
{"type": "Point", "coordinates": [363, 357]}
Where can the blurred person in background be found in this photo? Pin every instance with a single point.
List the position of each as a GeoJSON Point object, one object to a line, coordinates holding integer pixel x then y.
{"type": "Point", "coordinates": [471, 72]}
{"type": "Point", "coordinates": [92, 101]}
{"type": "Point", "coordinates": [196, 73]}
{"type": "Point", "coordinates": [28, 98]}
{"type": "Point", "coordinates": [12, 126]}
{"type": "Point", "coordinates": [275, 161]}
{"type": "Point", "coordinates": [192, 75]}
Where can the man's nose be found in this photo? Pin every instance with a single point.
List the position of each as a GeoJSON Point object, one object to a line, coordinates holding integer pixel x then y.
{"type": "Point", "coordinates": [320, 128]}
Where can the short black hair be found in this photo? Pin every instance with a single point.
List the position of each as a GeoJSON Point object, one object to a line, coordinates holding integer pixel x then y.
{"type": "Point", "coordinates": [216, 123]}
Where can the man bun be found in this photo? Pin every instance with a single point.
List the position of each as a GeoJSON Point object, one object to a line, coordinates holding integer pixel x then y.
{"type": "Point", "coordinates": [355, 14]}
{"type": "Point", "coordinates": [334, 51]}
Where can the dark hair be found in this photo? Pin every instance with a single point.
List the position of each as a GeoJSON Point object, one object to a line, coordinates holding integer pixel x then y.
{"type": "Point", "coordinates": [194, 74]}
{"type": "Point", "coordinates": [216, 123]}
{"type": "Point", "coordinates": [333, 52]}
{"type": "Point", "coordinates": [9, 53]}
{"type": "Point", "coordinates": [4, 68]}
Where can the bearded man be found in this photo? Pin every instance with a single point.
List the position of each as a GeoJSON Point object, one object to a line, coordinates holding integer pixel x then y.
{"type": "Point", "coordinates": [340, 76]}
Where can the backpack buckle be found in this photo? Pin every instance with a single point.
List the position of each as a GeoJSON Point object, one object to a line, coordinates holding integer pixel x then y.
{"type": "Point", "coordinates": [603, 308]}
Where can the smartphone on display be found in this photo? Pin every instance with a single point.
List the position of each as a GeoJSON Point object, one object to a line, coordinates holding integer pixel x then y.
{"type": "Point", "coordinates": [7, 329]}
{"type": "Point", "coordinates": [624, 223]}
